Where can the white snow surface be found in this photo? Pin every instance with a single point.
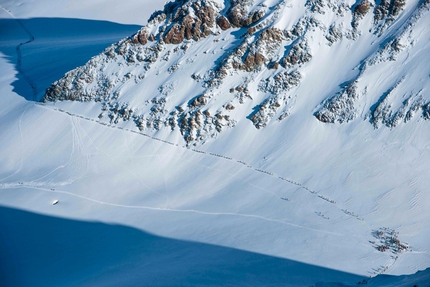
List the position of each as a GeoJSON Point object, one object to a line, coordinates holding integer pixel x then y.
{"type": "Point", "coordinates": [294, 204]}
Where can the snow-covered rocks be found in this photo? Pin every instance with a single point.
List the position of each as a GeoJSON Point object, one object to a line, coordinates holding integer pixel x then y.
{"type": "Point", "coordinates": [340, 108]}
{"type": "Point", "coordinates": [298, 55]}
{"type": "Point", "coordinates": [215, 46]}
{"type": "Point", "coordinates": [386, 12]}
{"type": "Point", "coordinates": [360, 10]}
{"type": "Point", "coordinates": [242, 14]}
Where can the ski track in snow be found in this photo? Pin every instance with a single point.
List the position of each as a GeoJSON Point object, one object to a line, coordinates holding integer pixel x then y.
{"type": "Point", "coordinates": [164, 183]}
{"type": "Point", "coordinates": [68, 161]}
{"type": "Point", "coordinates": [267, 173]}
{"type": "Point", "coordinates": [78, 141]}
{"type": "Point", "coordinates": [19, 56]}
{"type": "Point", "coordinates": [21, 142]}
{"type": "Point", "coordinates": [16, 186]}
{"type": "Point", "coordinates": [123, 166]}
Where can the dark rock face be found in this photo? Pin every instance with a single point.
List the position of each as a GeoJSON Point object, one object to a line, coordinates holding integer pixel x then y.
{"type": "Point", "coordinates": [388, 8]}
{"type": "Point", "coordinates": [426, 111]}
{"type": "Point", "coordinates": [240, 16]}
{"type": "Point", "coordinates": [316, 6]}
{"type": "Point", "coordinates": [141, 37]}
{"type": "Point", "coordinates": [334, 35]}
{"type": "Point", "coordinates": [383, 112]}
{"type": "Point", "coordinates": [362, 8]}
{"type": "Point", "coordinates": [191, 27]}
{"type": "Point", "coordinates": [386, 12]}
{"type": "Point", "coordinates": [223, 23]}
{"type": "Point", "coordinates": [175, 35]}
{"type": "Point", "coordinates": [199, 101]}
{"type": "Point", "coordinates": [252, 61]}
{"type": "Point", "coordinates": [251, 57]}
{"type": "Point", "coordinates": [280, 83]}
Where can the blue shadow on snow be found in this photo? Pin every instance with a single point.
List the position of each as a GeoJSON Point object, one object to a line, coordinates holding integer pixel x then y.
{"type": "Point", "coordinates": [38, 250]}
{"type": "Point", "coordinates": [59, 45]}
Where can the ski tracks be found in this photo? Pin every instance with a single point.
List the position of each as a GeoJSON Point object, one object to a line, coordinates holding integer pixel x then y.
{"type": "Point", "coordinates": [123, 166]}
{"type": "Point", "coordinates": [77, 142]}
{"type": "Point", "coordinates": [253, 216]}
{"type": "Point", "coordinates": [22, 145]}
{"type": "Point", "coordinates": [70, 156]}
{"type": "Point", "coordinates": [242, 163]}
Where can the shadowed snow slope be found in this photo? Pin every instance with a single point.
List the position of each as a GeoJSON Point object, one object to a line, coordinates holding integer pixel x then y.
{"type": "Point", "coordinates": [76, 41]}
{"type": "Point", "coordinates": [83, 253]}
{"type": "Point", "coordinates": [78, 253]}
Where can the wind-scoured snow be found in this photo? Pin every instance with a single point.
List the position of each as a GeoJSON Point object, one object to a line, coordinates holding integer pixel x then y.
{"type": "Point", "coordinates": [307, 166]}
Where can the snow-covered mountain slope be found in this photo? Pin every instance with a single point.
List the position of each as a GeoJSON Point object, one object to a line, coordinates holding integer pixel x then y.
{"type": "Point", "coordinates": [295, 201]}
{"type": "Point", "coordinates": [200, 67]}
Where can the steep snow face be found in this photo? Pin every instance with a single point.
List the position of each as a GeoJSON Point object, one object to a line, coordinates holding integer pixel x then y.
{"type": "Point", "coordinates": [200, 67]}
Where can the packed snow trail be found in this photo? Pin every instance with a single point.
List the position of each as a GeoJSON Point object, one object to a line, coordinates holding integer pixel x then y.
{"type": "Point", "coordinates": [358, 239]}
{"type": "Point", "coordinates": [268, 173]}
{"type": "Point", "coordinates": [22, 145]}
{"type": "Point", "coordinates": [168, 209]}
{"type": "Point", "coordinates": [123, 166]}
{"type": "Point", "coordinates": [19, 55]}
{"type": "Point", "coordinates": [43, 187]}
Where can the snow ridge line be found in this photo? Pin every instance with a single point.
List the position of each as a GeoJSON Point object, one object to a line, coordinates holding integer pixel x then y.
{"type": "Point", "coordinates": [320, 196]}
{"type": "Point", "coordinates": [19, 55]}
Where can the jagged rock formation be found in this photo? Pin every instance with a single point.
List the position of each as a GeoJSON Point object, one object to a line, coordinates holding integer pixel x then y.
{"type": "Point", "coordinates": [280, 83]}
{"type": "Point", "coordinates": [267, 110]}
{"type": "Point", "coordinates": [334, 34]}
{"type": "Point", "coordinates": [298, 55]}
{"type": "Point", "coordinates": [383, 112]}
{"type": "Point", "coordinates": [386, 12]}
{"type": "Point", "coordinates": [340, 108]}
{"type": "Point", "coordinates": [196, 64]}
{"type": "Point", "coordinates": [241, 13]}
{"type": "Point", "coordinates": [360, 11]}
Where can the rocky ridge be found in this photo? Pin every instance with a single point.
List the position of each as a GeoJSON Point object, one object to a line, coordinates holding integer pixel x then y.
{"type": "Point", "coordinates": [256, 55]}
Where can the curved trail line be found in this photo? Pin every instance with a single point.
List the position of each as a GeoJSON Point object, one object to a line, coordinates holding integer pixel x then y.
{"type": "Point", "coordinates": [22, 145]}
{"type": "Point", "coordinates": [123, 166]}
{"type": "Point", "coordinates": [359, 239]}
{"type": "Point", "coordinates": [19, 55]}
{"type": "Point", "coordinates": [171, 209]}
{"type": "Point", "coordinates": [267, 173]}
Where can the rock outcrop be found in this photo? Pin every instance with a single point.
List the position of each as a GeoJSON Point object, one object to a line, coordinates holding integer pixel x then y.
{"type": "Point", "coordinates": [199, 66]}
{"type": "Point", "coordinates": [241, 15]}
{"type": "Point", "coordinates": [341, 107]}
